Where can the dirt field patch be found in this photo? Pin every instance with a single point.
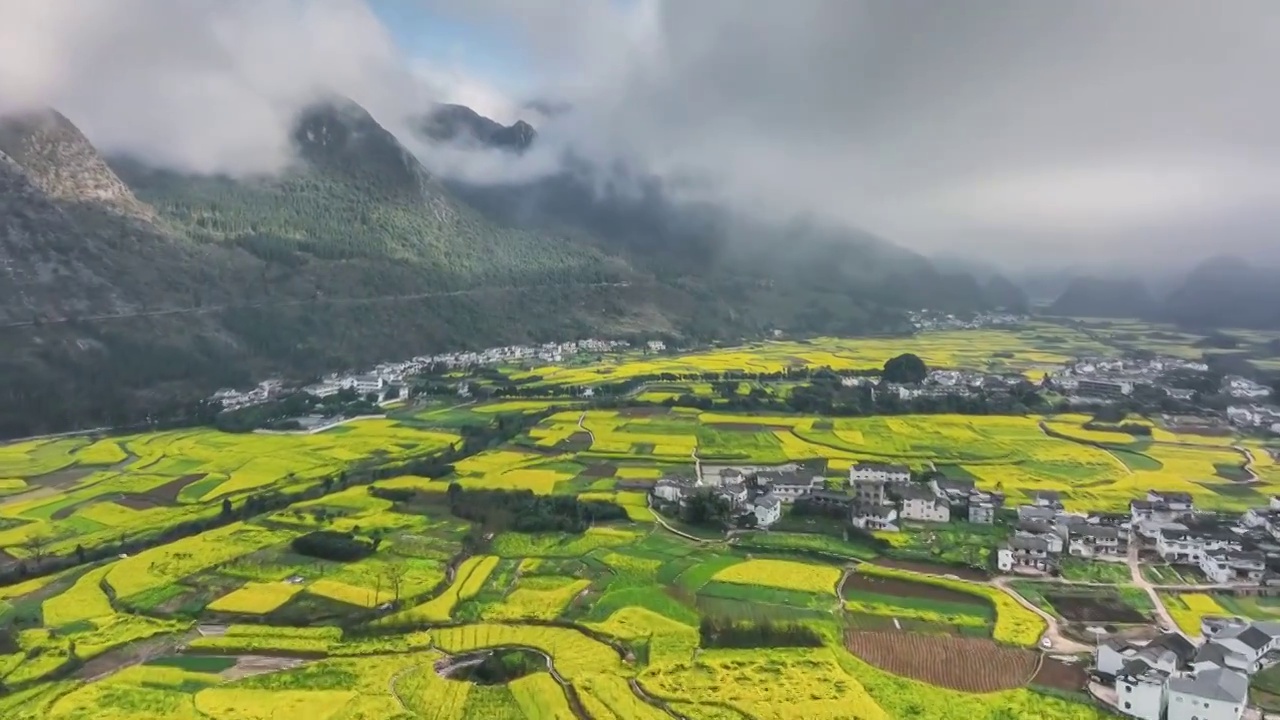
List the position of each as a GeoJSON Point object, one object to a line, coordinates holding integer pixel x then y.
{"type": "Point", "coordinates": [909, 589]}
{"type": "Point", "coordinates": [168, 492]}
{"type": "Point", "coordinates": [966, 573]}
{"type": "Point", "coordinates": [577, 442]}
{"type": "Point", "coordinates": [966, 664]}
{"type": "Point", "coordinates": [598, 471]}
{"type": "Point", "coordinates": [250, 665]}
{"type": "Point", "coordinates": [138, 502]}
{"type": "Point", "coordinates": [1059, 675]}
{"type": "Point", "coordinates": [1097, 607]}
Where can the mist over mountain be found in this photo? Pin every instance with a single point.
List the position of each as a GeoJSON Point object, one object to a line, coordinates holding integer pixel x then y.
{"type": "Point", "coordinates": [132, 289]}
{"type": "Point", "coordinates": [1104, 298]}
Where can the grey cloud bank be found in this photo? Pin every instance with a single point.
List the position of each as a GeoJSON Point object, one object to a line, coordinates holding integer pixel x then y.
{"type": "Point", "coordinates": [1141, 131]}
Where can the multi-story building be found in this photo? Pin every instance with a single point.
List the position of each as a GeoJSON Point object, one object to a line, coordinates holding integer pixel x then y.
{"type": "Point", "coordinates": [921, 504]}
{"type": "Point", "coordinates": [1025, 552]}
{"type": "Point", "coordinates": [1097, 541]}
{"type": "Point", "coordinates": [879, 471]}
{"type": "Point", "coordinates": [869, 491]}
{"type": "Point", "coordinates": [788, 486]}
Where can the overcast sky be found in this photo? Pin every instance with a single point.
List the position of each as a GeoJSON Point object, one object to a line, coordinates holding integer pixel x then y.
{"type": "Point", "coordinates": [1142, 130]}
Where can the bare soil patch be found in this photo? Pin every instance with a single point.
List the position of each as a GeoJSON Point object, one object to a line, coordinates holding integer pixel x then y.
{"type": "Point", "coordinates": [921, 566]}
{"type": "Point", "coordinates": [138, 502]}
{"type": "Point", "coordinates": [250, 665]}
{"type": "Point", "coordinates": [907, 588]}
{"type": "Point", "coordinates": [168, 492]}
{"type": "Point", "coordinates": [577, 442]}
{"type": "Point", "coordinates": [61, 479]}
{"type": "Point", "coordinates": [1059, 675]}
{"type": "Point", "coordinates": [1093, 607]}
{"type": "Point", "coordinates": [966, 664]}
{"type": "Point", "coordinates": [598, 471]}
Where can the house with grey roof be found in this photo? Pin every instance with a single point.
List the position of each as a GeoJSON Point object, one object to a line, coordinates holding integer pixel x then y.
{"type": "Point", "coordinates": [875, 517]}
{"type": "Point", "coordinates": [1025, 552]}
{"type": "Point", "coordinates": [922, 504]}
{"type": "Point", "coordinates": [1214, 694]}
{"type": "Point", "coordinates": [788, 486]}
{"type": "Point", "coordinates": [768, 509]}
{"type": "Point", "coordinates": [1140, 689]}
{"type": "Point", "coordinates": [1097, 541]}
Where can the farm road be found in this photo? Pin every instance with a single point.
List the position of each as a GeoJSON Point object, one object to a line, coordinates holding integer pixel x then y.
{"type": "Point", "coordinates": [1057, 641]}
{"type": "Point", "coordinates": [1135, 573]}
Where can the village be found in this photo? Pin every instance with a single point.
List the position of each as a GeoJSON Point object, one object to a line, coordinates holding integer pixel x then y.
{"type": "Point", "coordinates": [1169, 675]}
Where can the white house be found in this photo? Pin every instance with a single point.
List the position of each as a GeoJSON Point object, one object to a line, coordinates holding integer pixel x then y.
{"type": "Point", "coordinates": [1214, 694]}
{"type": "Point", "coordinates": [875, 517]}
{"type": "Point", "coordinates": [789, 486]}
{"type": "Point", "coordinates": [1214, 655]}
{"type": "Point", "coordinates": [1097, 541]}
{"type": "Point", "coordinates": [922, 505]}
{"type": "Point", "coordinates": [1225, 567]}
{"type": "Point", "coordinates": [1168, 652]}
{"type": "Point", "coordinates": [364, 383]}
{"type": "Point", "coordinates": [672, 489]}
{"type": "Point", "coordinates": [1025, 551]}
{"type": "Point", "coordinates": [768, 510]}
{"type": "Point", "coordinates": [880, 472]}
{"type": "Point", "coordinates": [1190, 546]}
{"type": "Point", "coordinates": [1176, 501]}
{"type": "Point", "coordinates": [1249, 642]}
{"type": "Point", "coordinates": [1140, 690]}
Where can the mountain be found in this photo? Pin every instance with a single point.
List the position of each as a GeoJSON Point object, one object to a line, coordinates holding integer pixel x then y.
{"type": "Point", "coordinates": [1226, 292]}
{"type": "Point", "coordinates": [1104, 298]}
{"type": "Point", "coordinates": [460, 124]}
{"type": "Point", "coordinates": [1002, 292]}
{"type": "Point", "coordinates": [127, 290]}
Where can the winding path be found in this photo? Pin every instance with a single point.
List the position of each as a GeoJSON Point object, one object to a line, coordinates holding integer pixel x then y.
{"type": "Point", "coordinates": [663, 522]}
{"type": "Point", "coordinates": [581, 426]}
{"type": "Point", "coordinates": [1057, 641]}
{"type": "Point", "coordinates": [1135, 575]}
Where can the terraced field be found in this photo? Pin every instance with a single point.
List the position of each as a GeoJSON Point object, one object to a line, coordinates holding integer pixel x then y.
{"type": "Point", "coordinates": [622, 615]}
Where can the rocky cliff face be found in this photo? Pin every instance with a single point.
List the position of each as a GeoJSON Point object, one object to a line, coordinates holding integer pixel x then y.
{"type": "Point", "coordinates": [62, 163]}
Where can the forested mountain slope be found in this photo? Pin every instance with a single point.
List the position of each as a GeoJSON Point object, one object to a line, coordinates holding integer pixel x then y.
{"type": "Point", "coordinates": [127, 290]}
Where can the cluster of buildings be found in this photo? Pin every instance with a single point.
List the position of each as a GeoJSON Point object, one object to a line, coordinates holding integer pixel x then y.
{"type": "Point", "coordinates": [1171, 677]}
{"type": "Point", "coordinates": [930, 320]}
{"type": "Point", "coordinates": [396, 374]}
{"type": "Point", "coordinates": [748, 490]}
{"type": "Point", "coordinates": [1043, 533]}
{"type": "Point", "coordinates": [1110, 378]}
{"type": "Point", "coordinates": [942, 383]}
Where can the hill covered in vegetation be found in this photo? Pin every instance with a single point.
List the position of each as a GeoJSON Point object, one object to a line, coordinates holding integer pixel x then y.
{"type": "Point", "coordinates": [130, 290]}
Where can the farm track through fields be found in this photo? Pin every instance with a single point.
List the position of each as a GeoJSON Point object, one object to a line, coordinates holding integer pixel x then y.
{"type": "Point", "coordinates": [1135, 574]}
{"type": "Point", "coordinates": [1057, 641]}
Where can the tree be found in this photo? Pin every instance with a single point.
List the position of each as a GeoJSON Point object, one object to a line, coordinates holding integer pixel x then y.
{"type": "Point", "coordinates": [395, 573]}
{"type": "Point", "coordinates": [393, 393]}
{"type": "Point", "coordinates": [905, 369]}
{"type": "Point", "coordinates": [226, 507]}
{"type": "Point", "coordinates": [37, 546]}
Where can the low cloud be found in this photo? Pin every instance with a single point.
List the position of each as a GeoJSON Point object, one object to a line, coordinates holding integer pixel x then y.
{"type": "Point", "coordinates": [208, 86]}
{"type": "Point", "coordinates": [1027, 130]}
{"type": "Point", "coordinates": [1095, 129]}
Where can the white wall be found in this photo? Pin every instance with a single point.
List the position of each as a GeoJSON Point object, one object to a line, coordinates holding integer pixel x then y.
{"type": "Point", "coordinates": [1141, 700]}
{"type": "Point", "coordinates": [1187, 707]}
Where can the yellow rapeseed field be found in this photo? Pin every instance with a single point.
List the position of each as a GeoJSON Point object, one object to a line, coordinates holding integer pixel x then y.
{"type": "Point", "coordinates": [785, 574]}
{"type": "Point", "coordinates": [256, 598]}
